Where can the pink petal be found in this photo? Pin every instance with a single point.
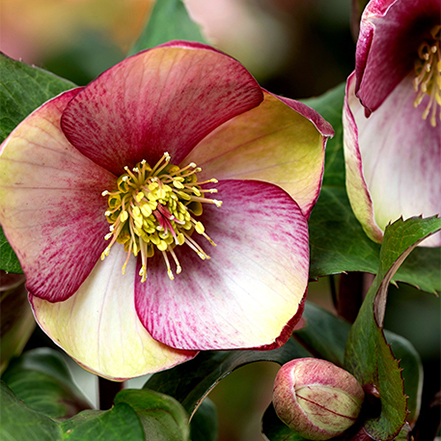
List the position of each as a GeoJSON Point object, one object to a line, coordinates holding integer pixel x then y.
{"type": "Point", "coordinates": [52, 210]}
{"type": "Point", "coordinates": [99, 328]}
{"type": "Point", "coordinates": [250, 289]}
{"type": "Point", "coordinates": [390, 33]}
{"type": "Point", "coordinates": [281, 141]}
{"type": "Point", "coordinates": [392, 161]}
{"type": "Point", "coordinates": [161, 100]}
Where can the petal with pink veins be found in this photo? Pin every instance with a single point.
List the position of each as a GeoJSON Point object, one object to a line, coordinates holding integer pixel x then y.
{"type": "Point", "coordinates": [164, 99]}
{"type": "Point", "coordinates": [390, 34]}
{"type": "Point", "coordinates": [278, 142]}
{"type": "Point", "coordinates": [392, 161]}
{"type": "Point", "coordinates": [51, 206]}
{"type": "Point", "coordinates": [250, 289]}
{"type": "Point", "coordinates": [99, 328]}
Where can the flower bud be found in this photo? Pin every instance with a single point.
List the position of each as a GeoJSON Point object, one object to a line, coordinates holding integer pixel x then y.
{"type": "Point", "coordinates": [316, 398]}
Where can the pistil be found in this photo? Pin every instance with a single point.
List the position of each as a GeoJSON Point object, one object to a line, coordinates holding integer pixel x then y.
{"type": "Point", "coordinates": [428, 76]}
{"type": "Point", "coordinates": [154, 208]}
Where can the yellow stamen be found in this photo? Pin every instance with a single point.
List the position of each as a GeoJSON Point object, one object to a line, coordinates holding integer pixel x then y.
{"type": "Point", "coordinates": [428, 76]}
{"type": "Point", "coordinates": [154, 208]}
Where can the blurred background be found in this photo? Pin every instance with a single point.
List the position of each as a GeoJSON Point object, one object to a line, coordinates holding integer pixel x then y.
{"type": "Point", "coordinates": [294, 48]}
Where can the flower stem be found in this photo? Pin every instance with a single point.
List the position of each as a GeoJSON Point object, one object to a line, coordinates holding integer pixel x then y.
{"type": "Point", "coordinates": [107, 391]}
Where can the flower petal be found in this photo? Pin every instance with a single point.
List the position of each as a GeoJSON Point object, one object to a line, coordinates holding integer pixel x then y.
{"type": "Point", "coordinates": [51, 207]}
{"type": "Point", "coordinates": [250, 289]}
{"type": "Point", "coordinates": [164, 99]}
{"type": "Point", "coordinates": [392, 161]}
{"type": "Point", "coordinates": [99, 328]}
{"type": "Point", "coordinates": [390, 34]}
{"type": "Point", "coordinates": [279, 142]}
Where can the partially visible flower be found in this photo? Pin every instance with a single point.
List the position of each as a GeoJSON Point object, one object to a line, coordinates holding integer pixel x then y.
{"type": "Point", "coordinates": [125, 169]}
{"type": "Point", "coordinates": [392, 113]}
{"type": "Point", "coordinates": [316, 398]}
{"type": "Point", "coordinates": [16, 320]}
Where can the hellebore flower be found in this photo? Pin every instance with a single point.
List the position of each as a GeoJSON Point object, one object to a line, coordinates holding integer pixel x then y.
{"type": "Point", "coordinates": [392, 115]}
{"type": "Point", "coordinates": [316, 398]}
{"type": "Point", "coordinates": [124, 169]}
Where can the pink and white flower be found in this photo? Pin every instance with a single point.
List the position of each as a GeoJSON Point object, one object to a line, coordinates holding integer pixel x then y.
{"type": "Point", "coordinates": [392, 115]}
{"type": "Point", "coordinates": [124, 169]}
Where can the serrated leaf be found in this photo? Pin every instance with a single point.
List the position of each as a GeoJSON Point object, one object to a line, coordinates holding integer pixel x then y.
{"type": "Point", "coordinates": [368, 356]}
{"type": "Point", "coordinates": [204, 425]}
{"type": "Point", "coordinates": [19, 422]}
{"type": "Point", "coordinates": [120, 423]}
{"type": "Point", "coordinates": [42, 380]}
{"type": "Point", "coordinates": [169, 21]}
{"type": "Point", "coordinates": [338, 242]}
{"type": "Point", "coordinates": [162, 417]}
{"type": "Point", "coordinates": [190, 382]}
{"type": "Point", "coordinates": [22, 89]}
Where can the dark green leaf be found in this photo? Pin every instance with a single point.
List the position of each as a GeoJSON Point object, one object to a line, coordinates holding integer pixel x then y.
{"type": "Point", "coordinates": [117, 424]}
{"type": "Point", "coordinates": [324, 335]}
{"type": "Point", "coordinates": [368, 356]}
{"type": "Point", "coordinates": [22, 89]}
{"type": "Point", "coordinates": [204, 425]}
{"type": "Point", "coordinates": [275, 430]}
{"type": "Point", "coordinates": [190, 382]}
{"type": "Point", "coordinates": [42, 380]}
{"type": "Point", "coordinates": [330, 106]}
{"type": "Point", "coordinates": [18, 422]}
{"type": "Point", "coordinates": [162, 417]}
{"type": "Point", "coordinates": [169, 21]}
{"type": "Point", "coordinates": [410, 363]}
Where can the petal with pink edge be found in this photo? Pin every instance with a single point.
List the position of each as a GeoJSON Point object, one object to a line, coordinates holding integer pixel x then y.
{"type": "Point", "coordinates": [390, 34]}
{"type": "Point", "coordinates": [161, 100]}
{"type": "Point", "coordinates": [51, 208]}
{"type": "Point", "coordinates": [279, 142]}
{"type": "Point", "coordinates": [99, 328]}
{"type": "Point", "coordinates": [250, 288]}
{"type": "Point", "coordinates": [392, 161]}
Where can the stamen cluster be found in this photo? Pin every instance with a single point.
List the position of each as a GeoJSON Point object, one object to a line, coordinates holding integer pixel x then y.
{"type": "Point", "coordinates": [428, 79]}
{"type": "Point", "coordinates": [154, 208]}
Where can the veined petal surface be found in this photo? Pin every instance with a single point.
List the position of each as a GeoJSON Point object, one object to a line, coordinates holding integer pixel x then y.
{"type": "Point", "coordinates": [51, 207]}
{"type": "Point", "coordinates": [392, 161]}
{"type": "Point", "coordinates": [164, 99]}
{"type": "Point", "coordinates": [274, 142]}
{"type": "Point", "coordinates": [99, 327]}
{"type": "Point", "coordinates": [390, 34]}
{"type": "Point", "coordinates": [250, 289]}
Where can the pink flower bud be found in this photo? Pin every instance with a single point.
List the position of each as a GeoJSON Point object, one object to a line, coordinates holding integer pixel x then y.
{"type": "Point", "coordinates": [316, 398]}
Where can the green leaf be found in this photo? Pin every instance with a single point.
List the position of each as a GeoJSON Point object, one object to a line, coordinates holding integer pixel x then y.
{"type": "Point", "coordinates": [330, 106]}
{"type": "Point", "coordinates": [337, 240]}
{"type": "Point", "coordinates": [19, 422]}
{"type": "Point", "coordinates": [324, 335]}
{"type": "Point", "coordinates": [410, 363]}
{"type": "Point", "coordinates": [42, 380]}
{"type": "Point", "coordinates": [368, 356]}
{"type": "Point", "coordinates": [275, 430]}
{"type": "Point", "coordinates": [169, 21]}
{"type": "Point", "coordinates": [204, 425]}
{"type": "Point", "coordinates": [162, 417]}
{"type": "Point", "coordinates": [22, 89]}
{"type": "Point", "coordinates": [120, 423]}
{"type": "Point", "coordinates": [190, 382]}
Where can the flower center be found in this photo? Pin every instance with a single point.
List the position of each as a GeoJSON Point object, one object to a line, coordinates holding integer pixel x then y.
{"type": "Point", "coordinates": [428, 75]}
{"type": "Point", "coordinates": [154, 209]}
